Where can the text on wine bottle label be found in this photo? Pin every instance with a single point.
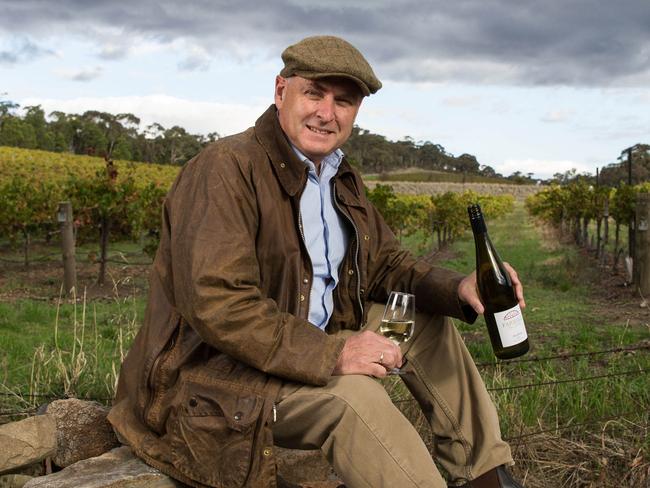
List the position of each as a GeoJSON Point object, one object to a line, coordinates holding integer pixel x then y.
{"type": "Point", "coordinates": [511, 326]}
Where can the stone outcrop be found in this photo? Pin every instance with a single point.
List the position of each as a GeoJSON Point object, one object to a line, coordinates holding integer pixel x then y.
{"type": "Point", "coordinates": [14, 480]}
{"type": "Point", "coordinates": [118, 468]}
{"type": "Point", "coordinates": [82, 430]}
{"type": "Point", "coordinates": [26, 442]}
{"type": "Point", "coordinates": [75, 435]}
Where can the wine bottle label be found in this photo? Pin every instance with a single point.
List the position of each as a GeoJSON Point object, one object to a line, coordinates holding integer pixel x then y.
{"type": "Point", "coordinates": [511, 326]}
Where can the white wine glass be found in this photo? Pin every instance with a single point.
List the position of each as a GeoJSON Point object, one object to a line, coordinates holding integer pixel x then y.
{"type": "Point", "coordinates": [398, 321]}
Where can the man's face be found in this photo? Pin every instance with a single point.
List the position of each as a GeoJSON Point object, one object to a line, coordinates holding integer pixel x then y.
{"type": "Point", "coordinates": [317, 115]}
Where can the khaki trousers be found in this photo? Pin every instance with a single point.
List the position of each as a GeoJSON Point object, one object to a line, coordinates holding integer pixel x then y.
{"type": "Point", "coordinates": [368, 440]}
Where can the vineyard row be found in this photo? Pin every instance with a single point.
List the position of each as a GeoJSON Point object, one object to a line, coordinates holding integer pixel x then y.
{"type": "Point", "coordinates": [125, 201]}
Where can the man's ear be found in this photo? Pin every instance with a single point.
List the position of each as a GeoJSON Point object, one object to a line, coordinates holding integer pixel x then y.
{"type": "Point", "coordinates": [280, 89]}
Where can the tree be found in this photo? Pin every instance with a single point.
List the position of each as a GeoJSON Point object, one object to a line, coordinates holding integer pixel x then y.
{"type": "Point", "coordinates": [35, 116]}
{"type": "Point", "coordinates": [6, 107]}
{"type": "Point", "coordinates": [179, 145]}
{"type": "Point", "coordinates": [16, 132]}
{"type": "Point", "coordinates": [467, 163]}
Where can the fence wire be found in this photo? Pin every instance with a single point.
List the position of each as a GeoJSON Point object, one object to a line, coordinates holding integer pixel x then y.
{"type": "Point", "coordinates": [571, 380]}
{"type": "Point", "coordinates": [564, 356]}
{"type": "Point", "coordinates": [622, 416]}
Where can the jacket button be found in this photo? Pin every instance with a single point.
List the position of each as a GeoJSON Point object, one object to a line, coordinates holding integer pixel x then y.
{"type": "Point", "coordinates": [366, 237]}
{"type": "Point", "coordinates": [193, 402]}
{"type": "Point", "coordinates": [302, 298]}
{"type": "Point", "coordinates": [237, 416]}
{"type": "Point", "coordinates": [350, 272]}
{"type": "Point", "coordinates": [268, 451]}
{"type": "Point", "coordinates": [282, 165]}
{"type": "Point", "coordinates": [305, 280]}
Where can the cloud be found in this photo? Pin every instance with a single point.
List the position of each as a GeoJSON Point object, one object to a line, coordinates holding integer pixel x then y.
{"type": "Point", "coordinates": [197, 60]}
{"type": "Point", "coordinates": [83, 75]}
{"type": "Point", "coordinates": [577, 43]}
{"type": "Point", "coordinates": [555, 116]}
{"type": "Point", "coordinates": [196, 117]}
{"type": "Point", "coordinates": [22, 50]}
{"type": "Point", "coordinates": [461, 101]}
{"type": "Point", "coordinates": [113, 52]}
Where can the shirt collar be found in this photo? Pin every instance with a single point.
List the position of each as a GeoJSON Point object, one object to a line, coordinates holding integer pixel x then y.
{"type": "Point", "coordinates": [333, 159]}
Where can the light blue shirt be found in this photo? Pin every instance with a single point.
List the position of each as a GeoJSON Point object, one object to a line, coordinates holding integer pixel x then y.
{"type": "Point", "coordinates": [325, 235]}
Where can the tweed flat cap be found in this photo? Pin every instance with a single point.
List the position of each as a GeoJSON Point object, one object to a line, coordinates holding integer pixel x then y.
{"type": "Point", "coordinates": [322, 56]}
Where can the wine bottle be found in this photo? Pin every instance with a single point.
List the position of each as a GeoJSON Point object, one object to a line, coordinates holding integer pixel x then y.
{"type": "Point", "coordinates": [502, 314]}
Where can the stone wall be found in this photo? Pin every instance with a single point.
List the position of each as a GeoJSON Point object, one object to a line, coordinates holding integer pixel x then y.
{"type": "Point", "coordinates": [520, 192]}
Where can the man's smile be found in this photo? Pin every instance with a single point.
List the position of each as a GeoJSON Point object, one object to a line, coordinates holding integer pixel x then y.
{"type": "Point", "coordinates": [319, 131]}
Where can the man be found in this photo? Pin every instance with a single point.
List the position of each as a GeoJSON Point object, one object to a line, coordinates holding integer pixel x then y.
{"type": "Point", "coordinates": [260, 325]}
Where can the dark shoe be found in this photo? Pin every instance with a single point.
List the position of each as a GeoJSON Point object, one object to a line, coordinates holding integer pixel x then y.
{"type": "Point", "coordinates": [498, 477]}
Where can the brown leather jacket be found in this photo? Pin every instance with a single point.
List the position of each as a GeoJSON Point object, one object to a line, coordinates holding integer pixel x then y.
{"type": "Point", "coordinates": [226, 320]}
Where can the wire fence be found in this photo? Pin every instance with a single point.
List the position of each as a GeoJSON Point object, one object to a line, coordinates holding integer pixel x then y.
{"type": "Point", "coordinates": [579, 425]}
{"type": "Point", "coordinates": [47, 259]}
{"type": "Point", "coordinates": [628, 416]}
{"type": "Point", "coordinates": [565, 356]}
{"type": "Point", "coordinates": [571, 380]}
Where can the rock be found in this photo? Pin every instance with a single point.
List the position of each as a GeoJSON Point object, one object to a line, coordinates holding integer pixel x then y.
{"type": "Point", "coordinates": [118, 468]}
{"type": "Point", "coordinates": [31, 470]}
{"type": "Point", "coordinates": [14, 480]}
{"type": "Point", "coordinates": [26, 442]}
{"type": "Point", "coordinates": [299, 466]}
{"type": "Point", "coordinates": [82, 430]}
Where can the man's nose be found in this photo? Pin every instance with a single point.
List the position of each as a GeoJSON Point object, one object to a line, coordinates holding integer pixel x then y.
{"type": "Point", "coordinates": [326, 109]}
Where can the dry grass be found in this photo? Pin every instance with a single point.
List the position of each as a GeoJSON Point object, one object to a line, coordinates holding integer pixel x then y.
{"type": "Point", "coordinates": [576, 458]}
{"type": "Point", "coordinates": [590, 459]}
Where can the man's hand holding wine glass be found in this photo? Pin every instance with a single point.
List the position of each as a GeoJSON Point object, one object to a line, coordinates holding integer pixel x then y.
{"type": "Point", "coordinates": [368, 353]}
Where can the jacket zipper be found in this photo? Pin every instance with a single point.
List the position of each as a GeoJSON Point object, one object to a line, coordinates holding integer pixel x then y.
{"type": "Point", "coordinates": [311, 266]}
{"type": "Point", "coordinates": [356, 253]}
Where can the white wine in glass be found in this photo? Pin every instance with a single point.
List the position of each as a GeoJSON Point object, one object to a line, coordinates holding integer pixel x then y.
{"type": "Point", "coordinates": [397, 331]}
{"type": "Point", "coordinates": [398, 321]}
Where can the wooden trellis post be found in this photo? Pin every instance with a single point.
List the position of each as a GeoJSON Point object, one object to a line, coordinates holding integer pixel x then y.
{"type": "Point", "coordinates": [64, 216]}
{"type": "Point", "coordinates": [641, 260]}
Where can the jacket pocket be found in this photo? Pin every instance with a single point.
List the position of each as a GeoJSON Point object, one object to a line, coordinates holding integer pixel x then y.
{"type": "Point", "coordinates": [213, 433]}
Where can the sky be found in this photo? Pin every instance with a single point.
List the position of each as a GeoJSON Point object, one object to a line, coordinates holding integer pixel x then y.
{"type": "Point", "coordinates": [539, 87]}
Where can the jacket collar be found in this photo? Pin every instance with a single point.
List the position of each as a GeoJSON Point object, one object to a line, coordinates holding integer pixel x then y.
{"type": "Point", "coordinates": [290, 171]}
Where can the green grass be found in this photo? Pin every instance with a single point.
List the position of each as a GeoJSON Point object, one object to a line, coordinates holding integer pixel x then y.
{"type": "Point", "coordinates": [72, 348]}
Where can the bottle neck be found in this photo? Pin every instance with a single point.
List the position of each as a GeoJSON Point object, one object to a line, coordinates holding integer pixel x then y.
{"type": "Point", "coordinates": [478, 226]}
{"type": "Point", "coordinates": [476, 219]}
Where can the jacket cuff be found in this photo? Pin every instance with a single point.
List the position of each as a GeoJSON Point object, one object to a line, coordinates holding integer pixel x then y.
{"type": "Point", "coordinates": [437, 293]}
{"type": "Point", "coordinates": [335, 346]}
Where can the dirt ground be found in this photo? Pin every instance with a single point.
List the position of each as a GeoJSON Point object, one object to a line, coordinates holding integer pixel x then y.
{"type": "Point", "coordinates": [614, 298]}
{"type": "Point", "coordinates": [42, 280]}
